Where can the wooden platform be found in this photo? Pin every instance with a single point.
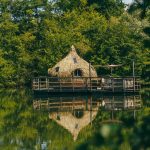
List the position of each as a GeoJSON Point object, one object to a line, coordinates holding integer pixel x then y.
{"type": "Point", "coordinates": [86, 84]}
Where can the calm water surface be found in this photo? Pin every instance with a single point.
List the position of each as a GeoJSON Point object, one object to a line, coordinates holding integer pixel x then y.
{"type": "Point", "coordinates": [66, 122]}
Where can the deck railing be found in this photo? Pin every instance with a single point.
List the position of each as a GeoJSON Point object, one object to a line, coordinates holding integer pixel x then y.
{"type": "Point", "coordinates": [75, 84]}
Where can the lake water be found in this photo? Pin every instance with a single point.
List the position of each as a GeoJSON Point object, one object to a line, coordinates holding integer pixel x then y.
{"type": "Point", "coordinates": [69, 122]}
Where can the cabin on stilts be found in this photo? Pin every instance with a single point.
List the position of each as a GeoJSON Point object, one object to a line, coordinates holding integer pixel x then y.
{"type": "Point", "coordinates": [72, 66]}
{"type": "Point", "coordinates": [74, 74]}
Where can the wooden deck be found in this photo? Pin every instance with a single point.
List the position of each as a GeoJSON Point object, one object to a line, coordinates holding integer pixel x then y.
{"type": "Point", "coordinates": [86, 84]}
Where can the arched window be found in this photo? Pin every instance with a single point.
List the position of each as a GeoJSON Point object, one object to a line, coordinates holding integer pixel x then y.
{"type": "Point", "coordinates": [77, 73]}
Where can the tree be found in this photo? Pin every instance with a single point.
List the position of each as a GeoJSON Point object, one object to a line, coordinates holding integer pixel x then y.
{"type": "Point", "coordinates": [36, 35]}
{"type": "Point", "coordinates": [108, 8]}
{"type": "Point", "coordinates": [142, 5]}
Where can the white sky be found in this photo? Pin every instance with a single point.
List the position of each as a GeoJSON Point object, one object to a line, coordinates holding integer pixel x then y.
{"type": "Point", "coordinates": [127, 1]}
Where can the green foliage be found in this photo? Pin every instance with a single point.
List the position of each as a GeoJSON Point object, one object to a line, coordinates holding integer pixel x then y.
{"type": "Point", "coordinates": [142, 5]}
{"type": "Point", "coordinates": [143, 11]}
{"type": "Point", "coordinates": [35, 35]}
{"type": "Point", "coordinates": [108, 7]}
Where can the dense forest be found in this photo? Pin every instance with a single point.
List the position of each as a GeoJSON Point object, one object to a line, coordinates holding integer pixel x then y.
{"type": "Point", "coordinates": [36, 34]}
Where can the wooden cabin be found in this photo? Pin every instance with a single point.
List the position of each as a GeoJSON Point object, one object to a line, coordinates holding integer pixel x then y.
{"type": "Point", "coordinates": [74, 74]}
{"type": "Point", "coordinates": [72, 66]}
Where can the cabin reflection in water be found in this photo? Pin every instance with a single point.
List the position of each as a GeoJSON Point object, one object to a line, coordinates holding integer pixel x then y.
{"type": "Point", "coordinates": [71, 113]}
{"type": "Point", "coordinates": [74, 113]}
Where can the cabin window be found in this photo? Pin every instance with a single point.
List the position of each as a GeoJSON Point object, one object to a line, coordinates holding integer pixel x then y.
{"type": "Point", "coordinates": [77, 73]}
{"type": "Point", "coordinates": [57, 69]}
{"type": "Point", "coordinates": [74, 60]}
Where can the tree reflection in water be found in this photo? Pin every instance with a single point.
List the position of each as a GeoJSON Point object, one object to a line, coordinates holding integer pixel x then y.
{"type": "Point", "coordinates": [106, 122]}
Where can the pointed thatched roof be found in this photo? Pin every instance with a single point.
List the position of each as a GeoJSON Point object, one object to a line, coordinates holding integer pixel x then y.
{"type": "Point", "coordinates": [71, 63]}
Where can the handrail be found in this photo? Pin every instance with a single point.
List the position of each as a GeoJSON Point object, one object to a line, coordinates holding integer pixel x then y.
{"type": "Point", "coordinates": [86, 83]}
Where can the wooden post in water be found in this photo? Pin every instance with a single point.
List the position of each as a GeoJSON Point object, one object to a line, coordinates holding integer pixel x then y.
{"type": "Point", "coordinates": [90, 100]}
{"type": "Point", "coordinates": [47, 104]}
{"type": "Point", "coordinates": [112, 111]}
{"type": "Point", "coordinates": [134, 103]}
{"type": "Point", "coordinates": [40, 104]}
{"type": "Point", "coordinates": [60, 107]}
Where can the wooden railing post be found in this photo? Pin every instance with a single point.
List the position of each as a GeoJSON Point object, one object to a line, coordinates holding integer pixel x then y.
{"type": "Point", "coordinates": [112, 84]}
{"type": "Point", "coordinates": [134, 84]}
{"type": "Point", "coordinates": [46, 83]}
{"type": "Point", "coordinates": [38, 84]}
{"type": "Point", "coordinates": [60, 88]}
{"type": "Point", "coordinates": [90, 76]}
{"type": "Point", "coordinates": [33, 84]}
{"type": "Point", "coordinates": [123, 84]}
